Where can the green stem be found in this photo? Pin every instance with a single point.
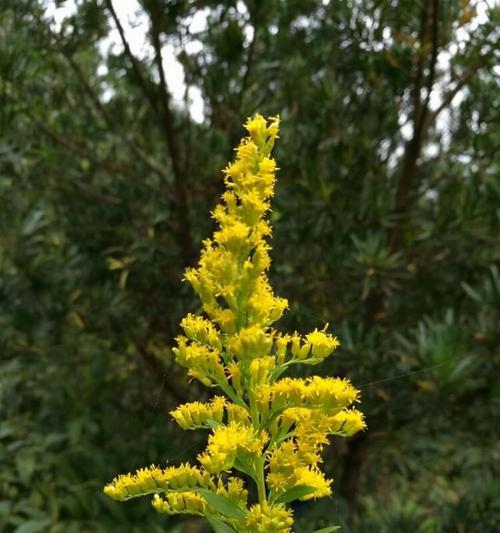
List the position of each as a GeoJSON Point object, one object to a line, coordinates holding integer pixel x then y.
{"type": "Point", "coordinates": [233, 395]}
{"type": "Point", "coordinates": [259, 462]}
{"type": "Point", "coordinates": [261, 486]}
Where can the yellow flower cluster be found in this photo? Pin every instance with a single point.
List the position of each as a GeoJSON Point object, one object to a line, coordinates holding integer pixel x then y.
{"type": "Point", "coordinates": [312, 349]}
{"type": "Point", "coordinates": [264, 518]}
{"type": "Point", "coordinates": [272, 429]}
{"type": "Point", "coordinates": [234, 490]}
{"type": "Point", "coordinates": [186, 502]}
{"type": "Point", "coordinates": [317, 346]}
{"type": "Point", "coordinates": [315, 424]}
{"type": "Point", "coordinates": [203, 362]}
{"type": "Point", "coordinates": [201, 330]}
{"type": "Point", "coordinates": [294, 463]}
{"type": "Point", "coordinates": [227, 442]}
{"type": "Point", "coordinates": [197, 415]}
{"type": "Point", "coordinates": [328, 394]}
{"type": "Point", "coordinates": [238, 414]}
{"type": "Point", "coordinates": [154, 479]}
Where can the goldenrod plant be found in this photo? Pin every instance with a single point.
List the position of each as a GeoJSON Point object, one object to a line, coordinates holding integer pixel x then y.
{"type": "Point", "coordinates": [264, 428]}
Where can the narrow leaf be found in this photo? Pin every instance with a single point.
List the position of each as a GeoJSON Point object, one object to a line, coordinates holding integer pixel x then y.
{"type": "Point", "coordinates": [33, 526]}
{"type": "Point", "coordinates": [218, 526]}
{"type": "Point", "coordinates": [299, 491]}
{"type": "Point", "coordinates": [222, 504]}
{"type": "Point", "coordinates": [327, 529]}
{"type": "Point", "coordinates": [245, 468]}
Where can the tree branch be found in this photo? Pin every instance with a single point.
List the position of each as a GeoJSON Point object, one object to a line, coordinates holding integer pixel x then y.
{"type": "Point", "coordinates": [248, 68]}
{"type": "Point", "coordinates": [430, 17]}
{"type": "Point", "coordinates": [160, 104]}
{"type": "Point", "coordinates": [376, 301]}
{"type": "Point", "coordinates": [94, 97]}
{"type": "Point", "coordinates": [450, 95]}
{"type": "Point", "coordinates": [136, 67]}
{"type": "Point", "coordinates": [422, 39]}
{"type": "Point", "coordinates": [173, 144]}
{"type": "Point", "coordinates": [135, 147]}
{"type": "Point", "coordinates": [72, 147]}
{"type": "Point", "coordinates": [432, 69]}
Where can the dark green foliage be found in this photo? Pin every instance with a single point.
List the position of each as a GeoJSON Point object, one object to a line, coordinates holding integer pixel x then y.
{"type": "Point", "coordinates": [388, 231]}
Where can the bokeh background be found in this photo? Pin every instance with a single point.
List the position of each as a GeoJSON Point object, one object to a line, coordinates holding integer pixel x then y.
{"type": "Point", "coordinates": [116, 119]}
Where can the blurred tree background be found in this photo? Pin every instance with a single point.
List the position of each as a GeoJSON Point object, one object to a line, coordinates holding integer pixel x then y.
{"type": "Point", "coordinates": [386, 224]}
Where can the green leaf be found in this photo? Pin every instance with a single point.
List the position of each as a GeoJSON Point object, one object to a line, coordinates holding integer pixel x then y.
{"type": "Point", "coordinates": [218, 526]}
{"type": "Point", "coordinates": [299, 491]}
{"type": "Point", "coordinates": [245, 468]}
{"type": "Point", "coordinates": [222, 504]}
{"type": "Point", "coordinates": [33, 526]}
{"type": "Point", "coordinates": [327, 529]}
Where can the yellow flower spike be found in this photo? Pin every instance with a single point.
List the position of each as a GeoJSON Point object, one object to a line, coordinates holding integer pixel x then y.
{"type": "Point", "coordinates": [153, 479]}
{"type": "Point", "coordinates": [197, 415]}
{"type": "Point", "coordinates": [271, 428]}
{"type": "Point", "coordinates": [332, 394]}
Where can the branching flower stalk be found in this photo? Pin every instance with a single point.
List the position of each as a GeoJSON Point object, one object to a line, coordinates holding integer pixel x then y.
{"type": "Point", "coordinates": [265, 428]}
